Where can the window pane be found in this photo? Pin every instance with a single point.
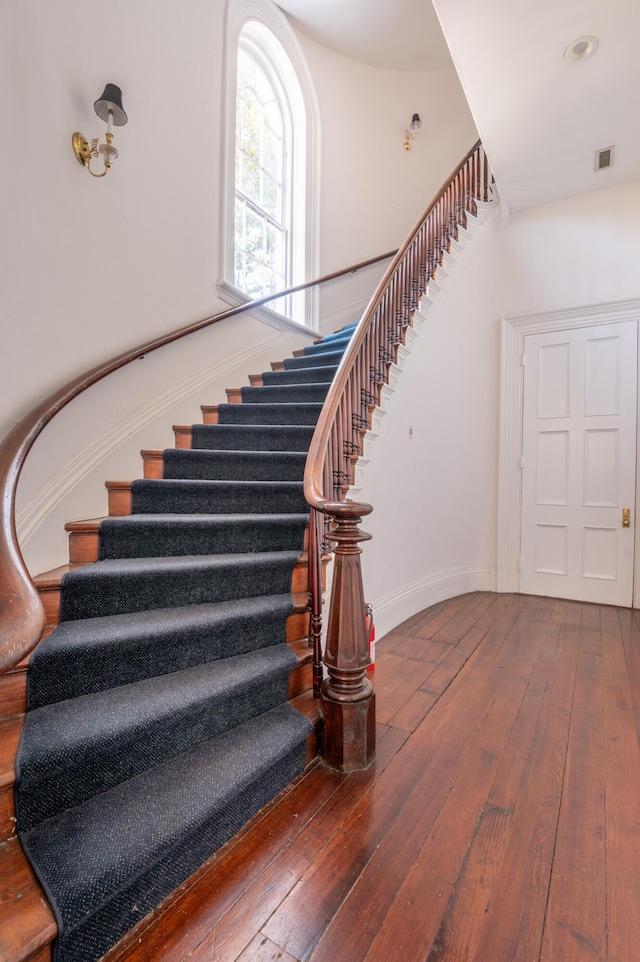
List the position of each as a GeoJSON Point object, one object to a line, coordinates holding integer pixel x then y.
{"type": "Point", "coordinates": [254, 282]}
{"type": "Point", "coordinates": [275, 248]}
{"type": "Point", "coordinates": [254, 233]}
{"type": "Point", "coordinates": [259, 166]}
{"type": "Point", "coordinates": [271, 199]}
{"type": "Point", "coordinates": [250, 180]}
{"type": "Point", "coordinates": [272, 156]}
{"type": "Point", "coordinates": [239, 269]}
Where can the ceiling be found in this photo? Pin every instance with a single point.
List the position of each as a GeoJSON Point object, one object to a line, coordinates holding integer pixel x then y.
{"type": "Point", "coordinates": [541, 119]}
{"type": "Point", "coordinates": [394, 34]}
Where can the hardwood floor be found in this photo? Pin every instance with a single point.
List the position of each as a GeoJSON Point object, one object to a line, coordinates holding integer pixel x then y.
{"type": "Point", "coordinates": [500, 823]}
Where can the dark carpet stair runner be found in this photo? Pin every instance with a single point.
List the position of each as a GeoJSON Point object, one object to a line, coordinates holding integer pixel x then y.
{"type": "Point", "coordinates": [158, 722]}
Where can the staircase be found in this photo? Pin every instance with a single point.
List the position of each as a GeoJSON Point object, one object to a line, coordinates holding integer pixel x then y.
{"type": "Point", "coordinates": [161, 703]}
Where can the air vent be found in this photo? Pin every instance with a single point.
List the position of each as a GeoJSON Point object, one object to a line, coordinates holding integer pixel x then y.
{"type": "Point", "coordinates": [604, 158]}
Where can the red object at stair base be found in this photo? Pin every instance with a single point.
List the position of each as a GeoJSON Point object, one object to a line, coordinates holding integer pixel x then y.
{"type": "Point", "coordinates": [371, 631]}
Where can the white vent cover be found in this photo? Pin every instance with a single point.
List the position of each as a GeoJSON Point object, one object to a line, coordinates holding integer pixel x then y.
{"type": "Point", "coordinates": [604, 158]}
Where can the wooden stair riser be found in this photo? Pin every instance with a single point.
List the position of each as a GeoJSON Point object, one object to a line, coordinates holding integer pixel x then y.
{"type": "Point", "coordinates": [7, 813]}
{"type": "Point", "coordinates": [182, 434]}
{"type": "Point", "coordinates": [255, 380]}
{"type": "Point", "coordinates": [10, 731]}
{"type": "Point", "coordinates": [210, 413]}
{"type": "Point", "coordinates": [310, 708]}
{"type": "Point", "coordinates": [13, 691]}
{"type": "Point", "coordinates": [27, 925]}
{"type": "Point", "coordinates": [84, 540]}
{"type": "Point", "coordinates": [301, 678]}
{"type": "Point", "coordinates": [152, 465]}
{"type": "Point", "coordinates": [119, 498]}
{"type": "Point", "coordinates": [234, 396]}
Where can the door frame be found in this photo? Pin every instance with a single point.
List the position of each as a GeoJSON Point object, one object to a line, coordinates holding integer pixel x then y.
{"type": "Point", "coordinates": [513, 331]}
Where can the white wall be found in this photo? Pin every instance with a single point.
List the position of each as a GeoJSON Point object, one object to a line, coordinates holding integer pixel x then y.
{"type": "Point", "coordinates": [90, 267]}
{"type": "Point", "coordinates": [373, 191]}
{"type": "Point", "coordinates": [435, 496]}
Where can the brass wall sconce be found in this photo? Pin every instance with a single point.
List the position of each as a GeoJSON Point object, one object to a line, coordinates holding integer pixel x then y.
{"type": "Point", "coordinates": [108, 108]}
{"type": "Point", "coordinates": [410, 134]}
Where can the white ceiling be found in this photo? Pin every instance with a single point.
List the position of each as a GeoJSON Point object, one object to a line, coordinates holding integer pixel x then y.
{"type": "Point", "coordinates": [394, 34]}
{"type": "Point", "coordinates": [540, 119]}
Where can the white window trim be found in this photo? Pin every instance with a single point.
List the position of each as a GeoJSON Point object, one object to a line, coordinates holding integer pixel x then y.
{"type": "Point", "coordinates": [239, 14]}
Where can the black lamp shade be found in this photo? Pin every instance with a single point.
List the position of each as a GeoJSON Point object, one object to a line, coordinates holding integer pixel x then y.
{"type": "Point", "coordinates": [111, 99]}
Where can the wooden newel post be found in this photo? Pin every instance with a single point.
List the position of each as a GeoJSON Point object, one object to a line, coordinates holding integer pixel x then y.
{"type": "Point", "coordinates": [348, 701]}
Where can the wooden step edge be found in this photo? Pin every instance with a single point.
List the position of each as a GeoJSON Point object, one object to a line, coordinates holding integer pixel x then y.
{"type": "Point", "coordinates": [119, 495]}
{"type": "Point", "coordinates": [10, 732]}
{"type": "Point", "coordinates": [311, 708]}
{"type": "Point", "coordinates": [83, 540]}
{"type": "Point", "coordinates": [255, 380]}
{"type": "Point", "coordinates": [277, 366]}
{"type": "Point", "coordinates": [27, 924]}
{"type": "Point", "coordinates": [13, 689]}
{"type": "Point", "coordinates": [234, 396]}
{"type": "Point", "coordinates": [152, 464]}
{"type": "Point", "coordinates": [182, 434]}
{"type": "Point", "coordinates": [209, 413]}
{"type": "Point", "coordinates": [301, 677]}
{"type": "Point", "coordinates": [48, 586]}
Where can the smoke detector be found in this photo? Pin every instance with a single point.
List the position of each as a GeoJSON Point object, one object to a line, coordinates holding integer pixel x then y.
{"type": "Point", "coordinates": [604, 158]}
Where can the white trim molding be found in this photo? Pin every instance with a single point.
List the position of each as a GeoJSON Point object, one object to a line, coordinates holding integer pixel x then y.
{"type": "Point", "coordinates": [514, 330]}
{"type": "Point", "coordinates": [391, 610]}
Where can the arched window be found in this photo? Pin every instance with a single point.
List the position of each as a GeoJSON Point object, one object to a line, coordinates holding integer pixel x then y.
{"type": "Point", "coordinates": [271, 216]}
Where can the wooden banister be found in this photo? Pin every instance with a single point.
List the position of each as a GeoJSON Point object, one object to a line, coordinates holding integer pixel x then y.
{"type": "Point", "coordinates": [347, 695]}
{"type": "Point", "coordinates": [21, 615]}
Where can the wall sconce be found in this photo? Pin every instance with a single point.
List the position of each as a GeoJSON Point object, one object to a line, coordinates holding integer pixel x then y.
{"type": "Point", "coordinates": [410, 134]}
{"type": "Point", "coordinates": [109, 109]}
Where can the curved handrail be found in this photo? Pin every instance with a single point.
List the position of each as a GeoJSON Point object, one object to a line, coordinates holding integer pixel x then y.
{"type": "Point", "coordinates": [337, 443]}
{"type": "Point", "coordinates": [20, 605]}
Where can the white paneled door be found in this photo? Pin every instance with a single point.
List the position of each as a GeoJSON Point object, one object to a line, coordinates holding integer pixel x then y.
{"type": "Point", "coordinates": [579, 464]}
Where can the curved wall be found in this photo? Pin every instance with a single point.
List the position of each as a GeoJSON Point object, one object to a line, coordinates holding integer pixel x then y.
{"type": "Point", "coordinates": [435, 494]}
{"type": "Point", "coordinates": [92, 267]}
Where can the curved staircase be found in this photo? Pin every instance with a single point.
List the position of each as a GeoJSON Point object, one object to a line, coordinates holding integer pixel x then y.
{"type": "Point", "coordinates": [161, 707]}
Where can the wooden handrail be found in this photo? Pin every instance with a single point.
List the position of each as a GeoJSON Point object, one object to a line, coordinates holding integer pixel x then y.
{"type": "Point", "coordinates": [21, 613]}
{"type": "Point", "coordinates": [337, 443]}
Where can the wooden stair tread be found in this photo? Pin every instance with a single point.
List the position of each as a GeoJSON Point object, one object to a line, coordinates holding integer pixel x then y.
{"type": "Point", "coordinates": [51, 579]}
{"type": "Point", "coordinates": [308, 706]}
{"type": "Point", "coordinates": [89, 524]}
{"type": "Point", "coordinates": [27, 924]}
{"type": "Point", "coordinates": [10, 731]}
{"type": "Point", "coordinates": [13, 692]}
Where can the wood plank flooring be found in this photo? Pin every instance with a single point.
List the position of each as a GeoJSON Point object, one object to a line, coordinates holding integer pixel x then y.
{"type": "Point", "coordinates": [500, 823]}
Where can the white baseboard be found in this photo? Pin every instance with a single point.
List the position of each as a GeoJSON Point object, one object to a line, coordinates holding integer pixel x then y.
{"type": "Point", "coordinates": [391, 610]}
